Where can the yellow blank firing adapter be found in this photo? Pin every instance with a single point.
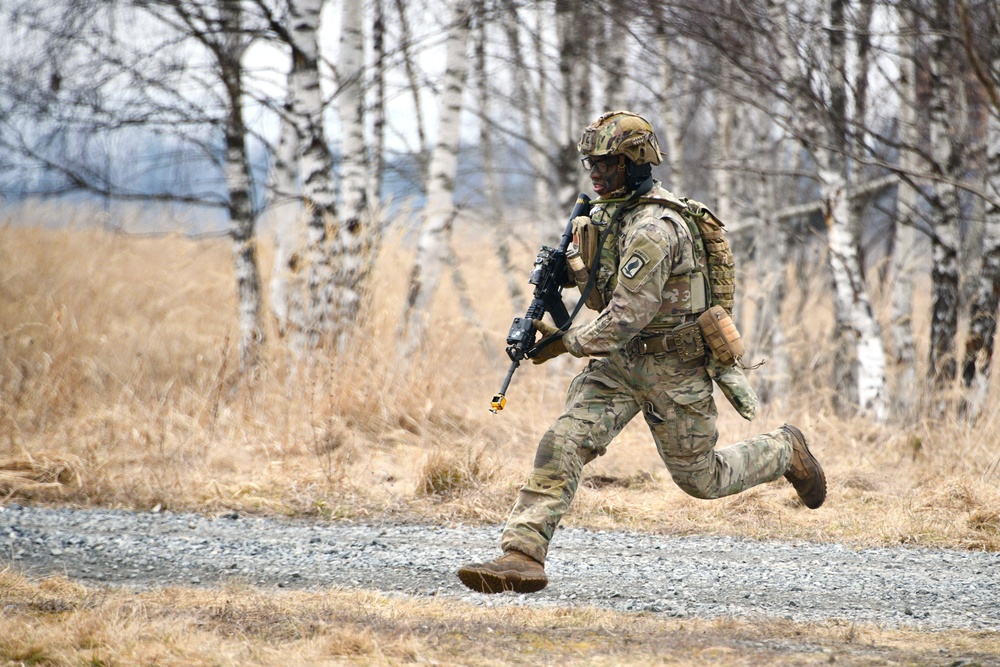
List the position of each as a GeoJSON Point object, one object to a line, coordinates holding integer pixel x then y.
{"type": "Point", "coordinates": [498, 402]}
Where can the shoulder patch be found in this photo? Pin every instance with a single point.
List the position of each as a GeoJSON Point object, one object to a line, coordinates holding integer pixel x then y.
{"type": "Point", "coordinates": [644, 252]}
{"type": "Point", "coordinates": [634, 263]}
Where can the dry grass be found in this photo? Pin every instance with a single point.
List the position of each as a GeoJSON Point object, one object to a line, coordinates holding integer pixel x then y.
{"type": "Point", "coordinates": [56, 622]}
{"type": "Point", "coordinates": [119, 388]}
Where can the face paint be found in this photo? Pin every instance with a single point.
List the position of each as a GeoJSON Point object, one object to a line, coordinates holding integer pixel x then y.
{"type": "Point", "coordinates": [606, 174]}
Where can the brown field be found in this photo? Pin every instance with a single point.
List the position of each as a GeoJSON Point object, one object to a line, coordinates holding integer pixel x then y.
{"type": "Point", "coordinates": [120, 387]}
{"type": "Point", "coordinates": [57, 622]}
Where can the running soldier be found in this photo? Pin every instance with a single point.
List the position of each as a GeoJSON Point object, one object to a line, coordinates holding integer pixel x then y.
{"type": "Point", "coordinates": [650, 284]}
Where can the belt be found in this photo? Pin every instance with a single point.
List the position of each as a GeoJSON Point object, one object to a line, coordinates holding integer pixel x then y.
{"type": "Point", "coordinates": [654, 345]}
{"type": "Point", "coordinates": [685, 339]}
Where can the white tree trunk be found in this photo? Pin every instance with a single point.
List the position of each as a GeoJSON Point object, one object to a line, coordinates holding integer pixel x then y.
{"type": "Point", "coordinates": [944, 198]}
{"type": "Point", "coordinates": [350, 77]}
{"type": "Point", "coordinates": [572, 66]}
{"type": "Point", "coordinates": [671, 125]}
{"type": "Point", "coordinates": [771, 240]}
{"type": "Point", "coordinates": [984, 308]}
{"type": "Point", "coordinates": [724, 119]}
{"type": "Point", "coordinates": [823, 133]}
{"type": "Point", "coordinates": [378, 106]}
{"type": "Point", "coordinates": [904, 248]}
{"type": "Point", "coordinates": [237, 173]}
{"type": "Point", "coordinates": [856, 322]}
{"type": "Point", "coordinates": [615, 58]}
{"type": "Point", "coordinates": [287, 293]}
{"type": "Point", "coordinates": [415, 86]}
{"type": "Point", "coordinates": [439, 213]}
{"type": "Point", "coordinates": [541, 161]}
{"type": "Point", "coordinates": [529, 99]}
{"type": "Point", "coordinates": [494, 205]}
{"type": "Point", "coordinates": [334, 256]}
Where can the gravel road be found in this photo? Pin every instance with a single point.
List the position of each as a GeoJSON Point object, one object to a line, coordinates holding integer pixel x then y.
{"type": "Point", "coordinates": [704, 577]}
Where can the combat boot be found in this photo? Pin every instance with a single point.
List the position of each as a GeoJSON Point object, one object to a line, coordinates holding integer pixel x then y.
{"type": "Point", "coordinates": [514, 571]}
{"type": "Point", "coordinates": [805, 473]}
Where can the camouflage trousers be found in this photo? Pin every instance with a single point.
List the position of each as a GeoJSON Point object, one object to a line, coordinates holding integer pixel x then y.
{"type": "Point", "coordinates": [676, 401]}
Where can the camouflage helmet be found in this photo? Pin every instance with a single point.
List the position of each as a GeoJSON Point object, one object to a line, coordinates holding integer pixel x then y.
{"type": "Point", "coordinates": [621, 133]}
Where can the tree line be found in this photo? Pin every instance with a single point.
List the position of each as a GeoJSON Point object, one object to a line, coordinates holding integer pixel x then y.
{"type": "Point", "coordinates": [852, 119]}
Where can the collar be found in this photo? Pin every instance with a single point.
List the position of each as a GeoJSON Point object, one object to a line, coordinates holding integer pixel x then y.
{"type": "Point", "coordinates": [646, 186]}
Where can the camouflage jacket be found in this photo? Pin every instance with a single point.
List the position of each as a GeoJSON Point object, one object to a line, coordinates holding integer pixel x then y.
{"type": "Point", "coordinates": [649, 275]}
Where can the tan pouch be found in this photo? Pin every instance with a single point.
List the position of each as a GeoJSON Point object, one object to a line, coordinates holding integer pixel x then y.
{"type": "Point", "coordinates": [585, 237]}
{"type": "Point", "coordinates": [579, 269]}
{"type": "Point", "coordinates": [721, 335]}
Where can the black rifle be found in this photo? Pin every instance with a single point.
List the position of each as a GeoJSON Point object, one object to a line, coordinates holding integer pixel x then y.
{"type": "Point", "coordinates": [548, 276]}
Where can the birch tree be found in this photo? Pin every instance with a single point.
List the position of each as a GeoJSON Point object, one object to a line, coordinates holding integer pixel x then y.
{"type": "Point", "coordinates": [981, 337]}
{"type": "Point", "coordinates": [287, 298]}
{"type": "Point", "coordinates": [822, 131]}
{"type": "Point", "coordinates": [496, 211]}
{"type": "Point", "coordinates": [354, 158]}
{"type": "Point", "coordinates": [528, 96]}
{"type": "Point", "coordinates": [229, 50]}
{"type": "Point", "coordinates": [545, 182]}
{"type": "Point", "coordinates": [574, 95]}
{"type": "Point", "coordinates": [380, 71]}
{"type": "Point", "coordinates": [943, 112]}
{"type": "Point", "coordinates": [225, 36]}
{"type": "Point", "coordinates": [439, 212]}
{"type": "Point", "coordinates": [613, 46]}
{"type": "Point", "coordinates": [904, 248]}
{"type": "Point", "coordinates": [302, 157]}
{"type": "Point", "coordinates": [185, 79]}
{"type": "Point", "coordinates": [408, 59]}
{"type": "Point", "coordinates": [669, 101]}
{"type": "Point", "coordinates": [324, 279]}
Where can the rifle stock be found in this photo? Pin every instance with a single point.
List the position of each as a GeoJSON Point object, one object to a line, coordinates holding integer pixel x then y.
{"type": "Point", "coordinates": [548, 275]}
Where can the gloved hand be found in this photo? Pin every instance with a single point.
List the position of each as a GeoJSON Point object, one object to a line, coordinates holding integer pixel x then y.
{"type": "Point", "coordinates": [552, 348]}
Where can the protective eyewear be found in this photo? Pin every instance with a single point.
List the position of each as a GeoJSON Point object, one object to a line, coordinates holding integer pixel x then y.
{"type": "Point", "coordinates": [602, 166]}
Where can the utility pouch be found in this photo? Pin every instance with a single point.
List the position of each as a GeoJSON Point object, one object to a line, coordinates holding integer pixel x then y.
{"type": "Point", "coordinates": [586, 236]}
{"type": "Point", "coordinates": [579, 268]}
{"type": "Point", "coordinates": [721, 335]}
{"type": "Point", "coordinates": [735, 387]}
{"type": "Point", "coordinates": [688, 340]}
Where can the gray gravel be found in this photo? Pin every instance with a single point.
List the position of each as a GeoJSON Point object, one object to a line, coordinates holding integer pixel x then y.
{"type": "Point", "coordinates": [705, 577]}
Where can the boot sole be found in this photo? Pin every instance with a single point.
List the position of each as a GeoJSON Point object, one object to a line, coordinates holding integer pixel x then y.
{"type": "Point", "coordinates": [486, 581]}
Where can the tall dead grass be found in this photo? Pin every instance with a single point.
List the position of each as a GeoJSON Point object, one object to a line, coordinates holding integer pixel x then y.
{"type": "Point", "coordinates": [119, 387]}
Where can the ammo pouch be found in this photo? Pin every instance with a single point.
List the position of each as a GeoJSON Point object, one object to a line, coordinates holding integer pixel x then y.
{"type": "Point", "coordinates": [586, 236]}
{"type": "Point", "coordinates": [581, 255]}
{"type": "Point", "coordinates": [721, 335]}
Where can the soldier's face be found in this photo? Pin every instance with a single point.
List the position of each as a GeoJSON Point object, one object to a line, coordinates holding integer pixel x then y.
{"type": "Point", "coordinates": [607, 174]}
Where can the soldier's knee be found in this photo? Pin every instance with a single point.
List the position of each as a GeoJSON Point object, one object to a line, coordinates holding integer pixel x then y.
{"type": "Point", "coordinates": [697, 484]}
{"type": "Point", "coordinates": [556, 453]}
{"type": "Point", "coordinates": [701, 492]}
{"type": "Point", "coordinates": [584, 436]}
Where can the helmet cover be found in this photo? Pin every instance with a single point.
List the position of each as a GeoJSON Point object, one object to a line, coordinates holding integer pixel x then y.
{"type": "Point", "coordinates": [621, 133]}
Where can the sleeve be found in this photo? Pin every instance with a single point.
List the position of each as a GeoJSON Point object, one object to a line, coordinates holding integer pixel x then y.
{"type": "Point", "coordinates": [647, 261]}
